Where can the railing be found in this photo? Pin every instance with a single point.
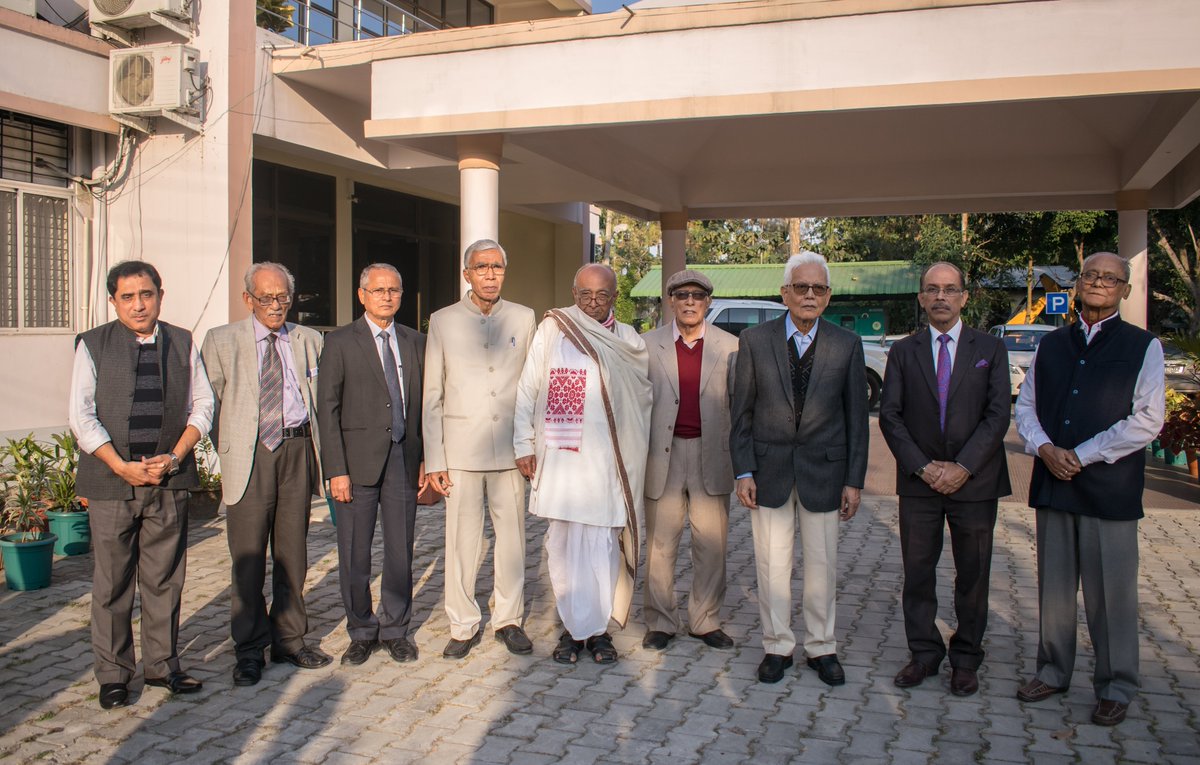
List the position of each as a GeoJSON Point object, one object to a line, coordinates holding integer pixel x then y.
{"type": "Point", "coordinates": [316, 22]}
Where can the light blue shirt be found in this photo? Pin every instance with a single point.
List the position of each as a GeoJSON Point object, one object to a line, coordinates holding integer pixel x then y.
{"type": "Point", "coordinates": [801, 339]}
{"type": "Point", "coordinates": [295, 413]}
{"type": "Point", "coordinates": [390, 333]}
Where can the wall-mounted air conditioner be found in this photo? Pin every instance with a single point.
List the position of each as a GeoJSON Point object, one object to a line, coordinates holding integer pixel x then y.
{"type": "Point", "coordinates": [134, 14]}
{"type": "Point", "coordinates": [153, 78]}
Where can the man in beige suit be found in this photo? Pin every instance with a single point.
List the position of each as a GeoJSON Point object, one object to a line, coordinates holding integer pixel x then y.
{"type": "Point", "coordinates": [473, 359]}
{"type": "Point", "coordinates": [688, 472]}
{"type": "Point", "coordinates": [264, 374]}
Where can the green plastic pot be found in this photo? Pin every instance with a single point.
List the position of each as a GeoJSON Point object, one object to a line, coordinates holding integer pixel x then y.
{"type": "Point", "coordinates": [28, 558]}
{"type": "Point", "coordinates": [73, 531]}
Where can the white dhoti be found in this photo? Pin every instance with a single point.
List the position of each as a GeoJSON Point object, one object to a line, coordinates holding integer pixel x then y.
{"type": "Point", "coordinates": [584, 562]}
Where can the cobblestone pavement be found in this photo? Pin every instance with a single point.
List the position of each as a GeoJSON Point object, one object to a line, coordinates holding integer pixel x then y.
{"type": "Point", "coordinates": [687, 704]}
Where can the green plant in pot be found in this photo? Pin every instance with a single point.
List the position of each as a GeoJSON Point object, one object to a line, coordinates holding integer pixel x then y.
{"type": "Point", "coordinates": [205, 501]}
{"type": "Point", "coordinates": [26, 545]}
{"type": "Point", "coordinates": [66, 511]}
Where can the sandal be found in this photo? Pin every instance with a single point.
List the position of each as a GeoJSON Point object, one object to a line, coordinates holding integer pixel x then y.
{"type": "Point", "coordinates": [602, 649]}
{"type": "Point", "coordinates": [567, 650]}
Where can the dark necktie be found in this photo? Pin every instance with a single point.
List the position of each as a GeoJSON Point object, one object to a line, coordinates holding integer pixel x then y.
{"type": "Point", "coordinates": [943, 378]}
{"type": "Point", "coordinates": [270, 397]}
{"type": "Point", "coordinates": [393, 384]}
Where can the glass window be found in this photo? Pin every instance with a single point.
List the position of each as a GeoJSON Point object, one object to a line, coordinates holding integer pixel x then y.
{"type": "Point", "coordinates": [32, 150]}
{"type": "Point", "coordinates": [481, 13]}
{"type": "Point", "coordinates": [35, 264]}
{"type": "Point", "coordinates": [8, 258]}
{"type": "Point", "coordinates": [734, 320]}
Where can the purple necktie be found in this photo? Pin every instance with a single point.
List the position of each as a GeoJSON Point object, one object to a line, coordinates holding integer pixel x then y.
{"type": "Point", "coordinates": [943, 378]}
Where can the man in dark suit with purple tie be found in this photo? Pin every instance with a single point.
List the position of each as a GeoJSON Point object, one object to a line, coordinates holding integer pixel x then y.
{"type": "Point", "coordinates": [944, 413]}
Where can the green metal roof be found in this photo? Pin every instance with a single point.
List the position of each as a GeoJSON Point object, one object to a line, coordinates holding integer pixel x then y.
{"type": "Point", "coordinates": [754, 280]}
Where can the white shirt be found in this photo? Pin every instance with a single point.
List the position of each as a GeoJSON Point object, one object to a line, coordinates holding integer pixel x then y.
{"type": "Point", "coordinates": [951, 347]}
{"type": "Point", "coordinates": [390, 333]}
{"type": "Point", "coordinates": [81, 408]}
{"type": "Point", "coordinates": [1121, 438]}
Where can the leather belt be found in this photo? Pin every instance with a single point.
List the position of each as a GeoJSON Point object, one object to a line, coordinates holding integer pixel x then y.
{"type": "Point", "coordinates": [301, 431]}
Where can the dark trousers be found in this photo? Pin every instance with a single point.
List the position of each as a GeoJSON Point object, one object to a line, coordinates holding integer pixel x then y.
{"type": "Point", "coordinates": [922, 522]}
{"type": "Point", "coordinates": [394, 501]}
{"type": "Point", "coordinates": [143, 539]}
{"type": "Point", "coordinates": [272, 513]}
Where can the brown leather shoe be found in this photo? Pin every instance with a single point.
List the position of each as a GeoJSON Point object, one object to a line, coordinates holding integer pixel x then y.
{"type": "Point", "coordinates": [963, 682]}
{"type": "Point", "coordinates": [1109, 712]}
{"type": "Point", "coordinates": [1036, 690]}
{"type": "Point", "coordinates": [913, 674]}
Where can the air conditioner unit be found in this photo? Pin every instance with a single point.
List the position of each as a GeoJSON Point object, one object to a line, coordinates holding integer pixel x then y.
{"type": "Point", "coordinates": [153, 78]}
{"type": "Point", "coordinates": [134, 14]}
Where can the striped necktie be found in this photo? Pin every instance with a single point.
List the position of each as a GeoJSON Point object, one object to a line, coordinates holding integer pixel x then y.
{"type": "Point", "coordinates": [943, 378]}
{"type": "Point", "coordinates": [270, 398]}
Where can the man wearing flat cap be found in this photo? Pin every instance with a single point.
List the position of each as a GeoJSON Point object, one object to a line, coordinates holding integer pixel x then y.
{"type": "Point", "coordinates": [689, 475]}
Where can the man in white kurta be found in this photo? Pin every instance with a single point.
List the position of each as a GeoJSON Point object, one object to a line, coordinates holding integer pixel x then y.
{"type": "Point", "coordinates": [581, 435]}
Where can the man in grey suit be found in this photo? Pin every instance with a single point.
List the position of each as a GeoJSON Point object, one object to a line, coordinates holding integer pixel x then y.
{"type": "Point", "coordinates": [264, 374]}
{"type": "Point", "coordinates": [370, 416]}
{"type": "Point", "coordinates": [688, 472]}
{"type": "Point", "coordinates": [477, 349]}
{"type": "Point", "coordinates": [799, 445]}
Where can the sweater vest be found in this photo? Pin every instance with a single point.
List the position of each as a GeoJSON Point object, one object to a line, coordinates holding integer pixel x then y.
{"type": "Point", "coordinates": [1083, 389]}
{"type": "Point", "coordinates": [115, 352]}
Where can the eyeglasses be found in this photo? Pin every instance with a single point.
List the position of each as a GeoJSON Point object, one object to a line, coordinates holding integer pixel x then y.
{"type": "Point", "coordinates": [482, 268]}
{"type": "Point", "coordinates": [950, 292]}
{"type": "Point", "coordinates": [1108, 280]}
{"type": "Point", "coordinates": [379, 292]}
{"type": "Point", "coordinates": [682, 295]}
{"type": "Point", "coordinates": [266, 300]}
{"type": "Point", "coordinates": [820, 290]}
{"type": "Point", "coordinates": [599, 296]}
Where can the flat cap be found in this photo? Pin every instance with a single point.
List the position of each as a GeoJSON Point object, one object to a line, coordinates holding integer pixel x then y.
{"type": "Point", "coordinates": [688, 276]}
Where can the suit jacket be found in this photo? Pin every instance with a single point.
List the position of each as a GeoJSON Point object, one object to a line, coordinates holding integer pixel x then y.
{"type": "Point", "coordinates": [720, 352]}
{"type": "Point", "coordinates": [472, 365]}
{"type": "Point", "coordinates": [829, 448]}
{"type": "Point", "coordinates": [353, 403]}
{"type": "Point", "coordinates": [977, 414]}
{"type": "Point", "coordinates": [232, 364]}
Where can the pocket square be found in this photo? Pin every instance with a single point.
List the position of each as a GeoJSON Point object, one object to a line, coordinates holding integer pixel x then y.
{"type": "Point", "coordinates": [982, 364]}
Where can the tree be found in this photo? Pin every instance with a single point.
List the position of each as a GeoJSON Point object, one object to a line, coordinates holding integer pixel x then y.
{"type": "Point", "coordinates": [738, 241]}
{"type": "Point", "coordinates": [631, 247]}
{"type": "Point", "coordinates": [1175, 260]}
{"type": "Point", "coordinates": [275, 15]}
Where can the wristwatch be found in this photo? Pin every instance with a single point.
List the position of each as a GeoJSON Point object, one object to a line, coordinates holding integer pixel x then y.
{"type": "Point", "coordinates": [921, 471]}
{"type": "Point", "coordinates": [174, 469]}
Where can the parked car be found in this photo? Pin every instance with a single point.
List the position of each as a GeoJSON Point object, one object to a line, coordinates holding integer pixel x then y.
{"type": "Point", "coordinates": [1181, 375]}
{"type": "Point", "coordinates": [734, 316]}
{"type": "Point", "coordinates": [1021, 340]}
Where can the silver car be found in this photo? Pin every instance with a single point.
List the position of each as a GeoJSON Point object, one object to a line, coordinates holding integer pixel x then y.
{"type": "Point", "coordinates": [1021, 340]}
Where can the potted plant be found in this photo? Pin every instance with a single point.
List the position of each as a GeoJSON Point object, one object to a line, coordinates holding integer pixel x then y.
{"type": "Point", "coordinates": [205, 501]}
{"type": "Point", "coordinates": [25, 543]}
{"type": "Point", "coordinates": [66, 511]}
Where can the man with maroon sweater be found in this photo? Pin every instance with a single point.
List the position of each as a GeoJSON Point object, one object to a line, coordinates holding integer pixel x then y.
{"type": "Point", "coordinates": [688, 472]}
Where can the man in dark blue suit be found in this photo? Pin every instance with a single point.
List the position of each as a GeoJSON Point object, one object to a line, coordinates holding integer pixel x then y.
{"type": "Point", "coordinates": [944, 413]}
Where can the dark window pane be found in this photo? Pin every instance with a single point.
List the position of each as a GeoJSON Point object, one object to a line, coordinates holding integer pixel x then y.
{"type": "Point", "coordinates": [8, 259]}
{"type": "Point", "coordinates": [481, 13]}
{"type": "Point", "coordinates": [456, 13]}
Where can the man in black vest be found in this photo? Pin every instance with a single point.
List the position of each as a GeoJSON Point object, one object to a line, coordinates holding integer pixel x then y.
{"type": "Point", "coordinates": [140, 401]}
{"type": "Point", "coordinates": [1091, 402]}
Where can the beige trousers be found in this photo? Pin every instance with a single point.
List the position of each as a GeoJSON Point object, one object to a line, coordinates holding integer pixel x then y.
{"type": "Point", "coordinates": [774, 530]}
{"type": "Point", "coordinates": [505, 490]}
{"type": "Point", "coordinates": [683, 498]}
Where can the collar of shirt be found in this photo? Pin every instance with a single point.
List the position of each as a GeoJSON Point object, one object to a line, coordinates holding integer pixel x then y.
{"type": "Point", "coordinates": [1090, 331]}
{"type": "Point", "coordinates": [954, 333]}
{"type": "Point", "coordinates": [149, 338]}
{"type": "Point", "coordinates": [475, 308]}
{"type": "Point", "coordinates": [261, 332]}
{"type": "Point", "coordinates": [676, 334]}
{"type": "Point", "coordinates": [791, 330]}
{"type": "Point", "coordinates": [375, 329]}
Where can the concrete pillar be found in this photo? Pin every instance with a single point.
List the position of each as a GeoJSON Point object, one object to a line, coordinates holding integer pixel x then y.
{"type": "Point", "coordinates": [674, 244]}
{"type": "Point", "coordinates": [479, 190]}
{"type": "Point", "coordinates": [1132, 245]}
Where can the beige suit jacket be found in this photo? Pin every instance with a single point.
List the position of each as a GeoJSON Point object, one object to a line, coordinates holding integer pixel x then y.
{"type": "Point", "coordinates": [720, 351]}
{"type": "Point", "coordinates": [232, 365]}
{"type": "Point", "coordinates": [472, 365]}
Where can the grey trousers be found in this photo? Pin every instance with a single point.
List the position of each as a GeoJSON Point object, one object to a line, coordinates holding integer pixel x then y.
{"type": "Point", "coordinates": [273, 513]}
{"type": "Point", "coordinates": [143, 539]}
{"type": "Point", "coordinates": [1101, 555]}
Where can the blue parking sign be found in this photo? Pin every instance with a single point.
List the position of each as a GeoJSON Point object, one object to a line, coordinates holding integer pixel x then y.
{"type": "Point", "coordinates": [1056, 302]}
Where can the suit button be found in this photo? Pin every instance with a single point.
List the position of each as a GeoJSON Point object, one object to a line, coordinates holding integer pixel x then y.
{"type": "Point", "coordinates": [483, 321]}
{"type": "Point", "coordinates": [1066, 422]}
{"type": "Point", "coordinates": [388, 405]}
{"type": "Point", "coordinates": [493, 394]}
{"type": "Point", "coordinates": [1075, 392]}
{"type": "Point", "coordinates": [491, 369]}
{"type": "Point", "coordinates": [670, 427]}
{"type": "Point", "coordinates": [495, 418]}
{"type": "Point", "coordinates": [1082, 362]}
{"type": "Point", "coordinates": [667, 449]}
{"type": "Point", "coordinates": [676, 401]}
{"type": "Point", "coordinates": [485, 345]}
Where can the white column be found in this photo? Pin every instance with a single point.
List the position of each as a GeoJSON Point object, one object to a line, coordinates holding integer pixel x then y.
{"type": "Point", "coordinates": [1132, 245]}
{"type": "Point", "coordinates": [479, 190]}
{"type": "Point", "coordinates": [674, 244]}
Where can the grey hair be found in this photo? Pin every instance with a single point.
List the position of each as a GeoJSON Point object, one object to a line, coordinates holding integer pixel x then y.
{"type": "Point", "coordinates": [962, 278]}
{"type": "Point", "coordinates": [365, 276]}
{"type": "Point", "coordinates": [611, 273]}
{"type": "Point", "coordinates": [804, 258]}
{"type": "Point", "coordinates": [483, 245]}
{"type": "Point", "coordinates": [1124, 263]}
{"type": "Point", "coordinates": [254, 268]}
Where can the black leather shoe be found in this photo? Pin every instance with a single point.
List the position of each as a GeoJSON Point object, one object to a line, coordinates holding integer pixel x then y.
{"type": "Point", "coordinates": [248, 672]}
{"type": "Point", "coordinates": [714, 639]}
{"type": "Point", "coordinates": [657, 641]}
{"type": "Point", "coordinates": [515, 639]}
{"type": "Point", "coordinates": [963, 682]}
{"type": "Point", "coordinates": [828, 668]}
{"type": "Point", "coordinates": [1036, 690]}
{"type": "Point", "coordinates": [1109, 712]}
{"type": "Point", "coordinates": [401, 649]}
{"type": "Point", "coordinates": [359, 651]}
{"type": "Point", "coordinates": [114, 695]}
{"type": "Point", "coordinates": [458, 649]}
{"type": "Point", "coordinates": [305, 658]}
{"type": "Point", "coordinates": [913, 674]}
{"type": "Point", "coordinates": [176, 682]}
{"type": "Point", "coordinates": [772, 667]}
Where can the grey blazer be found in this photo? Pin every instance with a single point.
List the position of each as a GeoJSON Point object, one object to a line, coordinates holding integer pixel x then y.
{"type": "Point", "coordinates": [720, 351]}
{"type": "Point", "coordinates": [829, 448]}
{"type": "Point", "coordinates": [232, 365]}
{"type": "Point", "coordinates": [353, 396]}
